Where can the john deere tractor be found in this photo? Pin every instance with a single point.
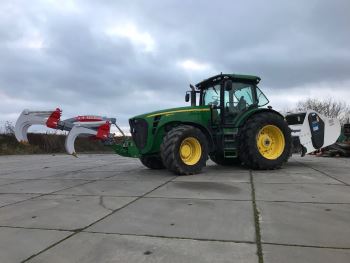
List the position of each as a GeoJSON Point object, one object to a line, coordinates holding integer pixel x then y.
{"type": "Point", "coordinates": [226, 122]}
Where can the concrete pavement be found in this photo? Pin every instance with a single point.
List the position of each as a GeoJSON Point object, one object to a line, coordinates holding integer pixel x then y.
{"type": "Point", "coordinates": [106, 208]}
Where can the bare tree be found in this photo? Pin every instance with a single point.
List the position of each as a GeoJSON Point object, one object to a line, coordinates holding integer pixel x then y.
{"type": "Point", "coordinates": [329, 107]}
{"type": "Point", "coordinates": [9, 128]}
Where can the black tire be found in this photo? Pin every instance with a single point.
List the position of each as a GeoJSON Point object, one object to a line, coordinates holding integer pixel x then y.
{"type": "Point", "coordinates": [152, 162]}
{"type": "Point", "coordinates": [221, 160]}
{"type": "Point", "coordinates": [248, 150]}
{"type": "Point", "coordinates": [170, 150]}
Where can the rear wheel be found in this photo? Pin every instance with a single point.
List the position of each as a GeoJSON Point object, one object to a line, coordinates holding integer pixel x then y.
{"type": "Point", "coordinates": [184, 150]}
{"type": "Point", "coordinates": [265, 142]}
{"type": "Point", "coordinates": [152, 162]}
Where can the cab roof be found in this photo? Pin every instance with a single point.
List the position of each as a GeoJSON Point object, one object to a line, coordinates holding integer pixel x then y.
{"type": "Point", "coordinates": [234, 77]}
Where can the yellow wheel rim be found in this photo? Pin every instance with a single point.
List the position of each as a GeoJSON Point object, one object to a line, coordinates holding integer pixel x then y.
{"type": "Point", "coordinates": [190, 151]}
{"type": "Point", "coordinates": [270, 142]}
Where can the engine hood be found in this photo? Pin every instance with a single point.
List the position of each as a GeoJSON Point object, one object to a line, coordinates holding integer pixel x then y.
{"type": "Point", "coordinates": [172, 111]}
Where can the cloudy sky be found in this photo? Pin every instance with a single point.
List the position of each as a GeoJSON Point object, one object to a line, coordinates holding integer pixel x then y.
{"type": "Point", "coordinates": [121, 58]}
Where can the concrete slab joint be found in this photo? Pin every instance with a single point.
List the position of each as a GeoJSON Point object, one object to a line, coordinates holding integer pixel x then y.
{"type": "Point", "coordinates": [105, 208]}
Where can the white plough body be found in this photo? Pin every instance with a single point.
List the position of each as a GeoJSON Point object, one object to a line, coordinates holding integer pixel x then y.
{"type": "Point", "coordinates": [97, 127]}
{"type": "Point", "coordinates": [312, 130]}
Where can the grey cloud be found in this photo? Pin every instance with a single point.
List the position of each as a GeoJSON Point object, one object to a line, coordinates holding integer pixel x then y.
{"type": "Point", "coordinates": [288, 43]}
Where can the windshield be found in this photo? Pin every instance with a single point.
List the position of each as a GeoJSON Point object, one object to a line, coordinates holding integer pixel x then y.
{"type": "Point", "coordinates": [262, 100]}
{"type": "Point", "coordinates": [239, 98]}
{"type": "Point", "coordinates": [211, 96]}
{"type": "Point", "coordinates": [241, 93]}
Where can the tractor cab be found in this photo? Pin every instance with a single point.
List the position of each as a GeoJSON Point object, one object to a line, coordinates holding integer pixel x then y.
{"type": "Point", "coordinates": [229, 96]}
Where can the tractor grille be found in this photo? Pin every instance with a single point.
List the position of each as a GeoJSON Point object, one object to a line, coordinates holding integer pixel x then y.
{"type": "Point", "coordinates": [155, 123]}
{"type": "Point", "coordinates": [139, 132]}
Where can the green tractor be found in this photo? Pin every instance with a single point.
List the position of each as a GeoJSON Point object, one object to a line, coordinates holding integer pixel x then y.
{"type": "Point", "coordinates": [226, 122]}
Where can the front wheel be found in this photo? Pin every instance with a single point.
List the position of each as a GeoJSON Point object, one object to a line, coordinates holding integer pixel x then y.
{"type": "Point", "coordinates": [184, 150]}
{"type": "Point", "coordinates": [265, 142]}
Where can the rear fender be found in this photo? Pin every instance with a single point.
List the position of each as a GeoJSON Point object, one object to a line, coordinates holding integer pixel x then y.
{"type": "Point", "coordinates": [245, 116]}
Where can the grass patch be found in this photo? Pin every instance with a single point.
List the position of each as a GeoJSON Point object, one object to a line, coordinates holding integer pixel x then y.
{"type": "Point", "coordinates": [48, 143]}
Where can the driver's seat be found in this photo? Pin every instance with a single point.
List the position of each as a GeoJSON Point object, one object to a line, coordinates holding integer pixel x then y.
{"type": "Point", "coordinates": [242, 104]}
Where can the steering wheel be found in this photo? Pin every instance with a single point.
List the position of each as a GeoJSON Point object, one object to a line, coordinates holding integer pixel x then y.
{"type": "Point", "coordinates": [215, 100]}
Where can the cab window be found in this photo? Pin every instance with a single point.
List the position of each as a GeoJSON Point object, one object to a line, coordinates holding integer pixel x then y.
{"type": "Point", "coordinates": [240, 97]}
{"type": "Point", "coordinates": [238, 100]}
{"type": "Point", "coordinates": [262, 100]}
{"type": "Point", "coordinates": [211, 96]}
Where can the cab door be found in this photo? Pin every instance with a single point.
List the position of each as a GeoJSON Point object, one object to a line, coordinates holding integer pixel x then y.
{"type": "Point", "coordinates": [212, 97]}
{"type": "Point", "coordinates": [237, 101]}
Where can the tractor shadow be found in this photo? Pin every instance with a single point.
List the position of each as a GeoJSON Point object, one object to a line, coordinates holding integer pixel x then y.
{"type": "Point", "coordinates": [208, 187]}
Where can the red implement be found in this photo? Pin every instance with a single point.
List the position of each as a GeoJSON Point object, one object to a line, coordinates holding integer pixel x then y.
{"type": "Point", "coordinates": [54, 118]}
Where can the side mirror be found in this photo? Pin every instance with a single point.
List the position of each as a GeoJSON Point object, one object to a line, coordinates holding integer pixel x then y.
{"type": "Point", "coordinates": [187, 97]}
{"type": "Point", "coordinates": [228, 85]}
